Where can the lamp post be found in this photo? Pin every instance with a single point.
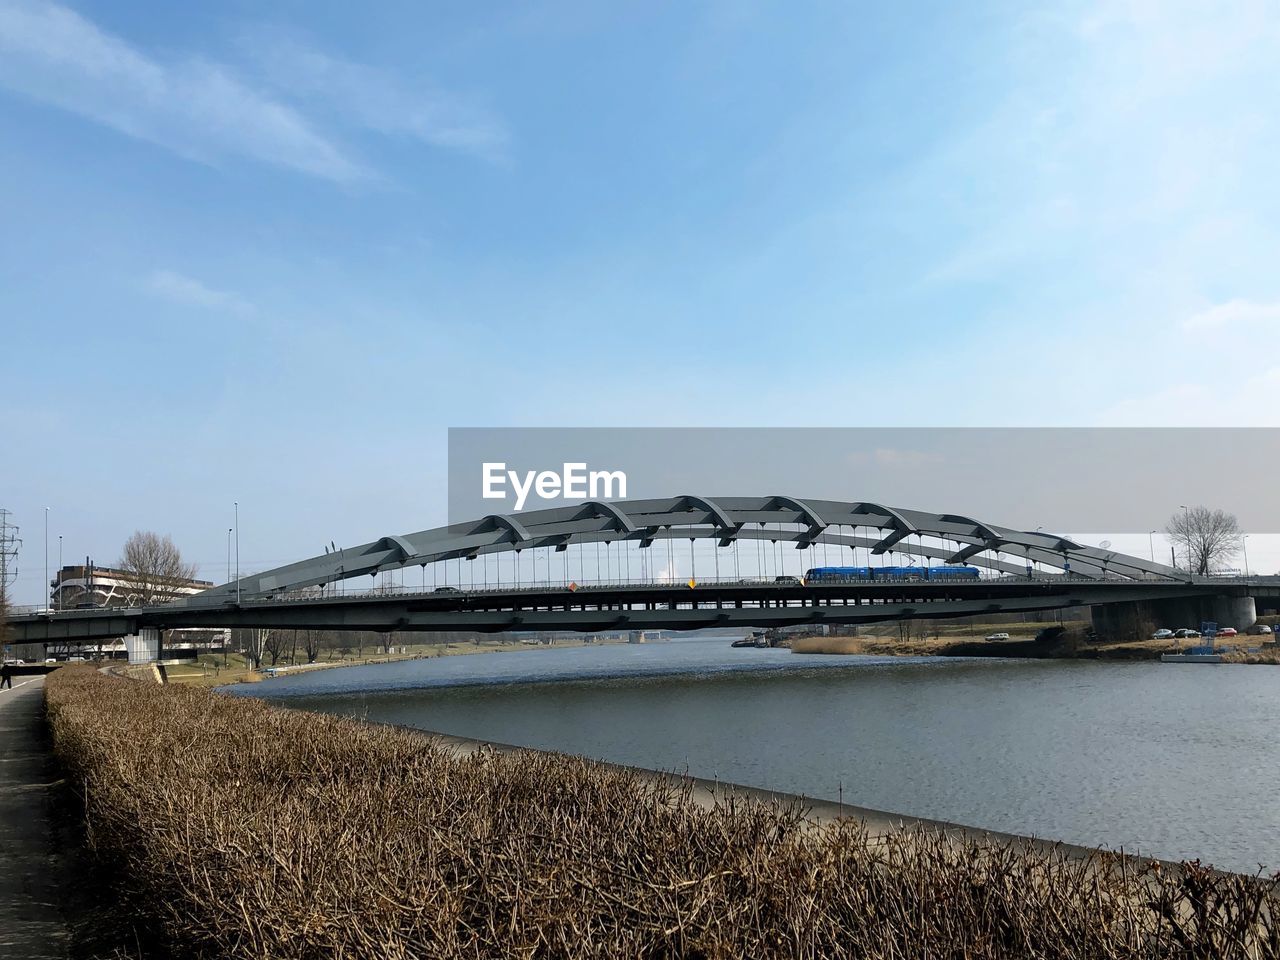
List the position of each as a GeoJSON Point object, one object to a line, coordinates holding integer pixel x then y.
{"type": "Point", "coordinates": [237, 529]}
{"type": "Point", "coordinates": [1186, 533]}
{"type": "Point", "coordinates": [59, 593]}
{"type": "Point", "coordinates": [228, 554]}
{"type": "Point", "coordinates": [1244, 544]}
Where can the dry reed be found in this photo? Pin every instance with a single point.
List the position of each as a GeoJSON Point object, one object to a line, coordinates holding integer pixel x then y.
{"type": "Point", "coordinates": [234, 828]}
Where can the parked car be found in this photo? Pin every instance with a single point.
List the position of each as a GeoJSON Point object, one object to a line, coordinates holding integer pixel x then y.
{"type": "Point", "coordinates": [1259, 628]}
{"type": "Point", "coordinates": [1164, 633]}
{"type": "Point", "coordinates": [998, 636]}
{"type": "Point", "coordinates": [1227, 632]}
{"type": "Point", "coordinates": [1186, 633]}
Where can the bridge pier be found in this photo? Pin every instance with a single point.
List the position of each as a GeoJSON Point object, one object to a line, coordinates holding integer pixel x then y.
{"type": "Point", "coordinates": [1238, 612]}
{"type": "Point", "coordinates": [144, 646]}
{"type": "Point", "coordinates": [1136, 620]}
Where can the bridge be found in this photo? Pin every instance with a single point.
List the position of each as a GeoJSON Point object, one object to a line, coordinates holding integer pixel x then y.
{"type": "Point", "coordinates": [753, 541]}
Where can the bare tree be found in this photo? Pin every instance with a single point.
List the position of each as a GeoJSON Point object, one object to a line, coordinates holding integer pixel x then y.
{"type": "Point", "coordinates": [1206, 538]}
{"type": "Point", "coordinates": [155, 566]}
{"type": "Point", "coordinates": [253, 641]}
{"type": "Point", "coordinates": [274, 645]}
{"type": "Point", "coordinates": [311, 640]}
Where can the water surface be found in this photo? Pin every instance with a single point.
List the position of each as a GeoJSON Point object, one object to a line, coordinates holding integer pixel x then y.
{"type": "Point", "coordinates": [1179, 761]}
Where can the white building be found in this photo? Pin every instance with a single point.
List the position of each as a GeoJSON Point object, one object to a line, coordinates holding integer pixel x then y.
{"type": "Point", "coordinates": [89, 585]}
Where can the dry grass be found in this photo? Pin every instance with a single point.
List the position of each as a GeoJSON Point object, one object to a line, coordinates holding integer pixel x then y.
{"type": "Point", "coordinates": [234, 828]}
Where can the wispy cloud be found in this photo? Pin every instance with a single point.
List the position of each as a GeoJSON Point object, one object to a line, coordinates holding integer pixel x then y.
{"type": "Point", "coordinates": [182, 289]}
{"type": "Point", "coordinates": [192, 106]}
{"type": "Point", "coordinates": [376, 99]}
{"type": "Point", "coordinates": [1232, 313]}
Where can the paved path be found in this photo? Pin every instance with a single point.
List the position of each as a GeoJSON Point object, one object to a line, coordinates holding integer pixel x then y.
{"type": "Point", "coordinates": [33, 871]}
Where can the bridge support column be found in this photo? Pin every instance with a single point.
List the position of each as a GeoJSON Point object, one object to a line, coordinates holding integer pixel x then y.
{"type": "Point", "coordinates": [1238, 612]}
{"type": "Point", "coordinates": [1136, 620]}
{"type": "Point", "coordinates": [143, 647]}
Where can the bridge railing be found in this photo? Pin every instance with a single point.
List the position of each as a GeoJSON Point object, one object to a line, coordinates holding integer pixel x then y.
{"type": "Point", "coordinates": [575, 586]}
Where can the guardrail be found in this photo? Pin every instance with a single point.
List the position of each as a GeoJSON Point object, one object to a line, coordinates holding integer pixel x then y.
{"type": "Point", "coordinates": [588, 586]}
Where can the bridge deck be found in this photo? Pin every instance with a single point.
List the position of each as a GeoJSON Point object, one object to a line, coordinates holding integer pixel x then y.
{"type": "Point", "coordinates": [634, 606]}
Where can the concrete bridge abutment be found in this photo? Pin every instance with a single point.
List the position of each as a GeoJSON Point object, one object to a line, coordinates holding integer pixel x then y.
{"type": "Point", "coordinates": [1137, 620]}
{"type": "Point", "coordinates": [1238, 612]}
{"type": "Point", "coordinates": [143, 647]}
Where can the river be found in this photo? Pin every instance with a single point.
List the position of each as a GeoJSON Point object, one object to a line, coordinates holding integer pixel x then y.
{"type": "Point", "coordinates": [1174, 761]}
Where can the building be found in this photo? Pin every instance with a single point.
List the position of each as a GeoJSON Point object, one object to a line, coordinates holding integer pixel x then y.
{"type": "Point", "coordinates": [89, 585]}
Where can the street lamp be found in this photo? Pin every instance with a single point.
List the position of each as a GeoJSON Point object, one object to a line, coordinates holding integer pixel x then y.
{"type": "Point", "coordinates": [237, 528]}
{"type": "Point", "coordinates": [1244, 543]}
{"type": "Point", "coordinates": [1151, 544]}
{"type": "Point", "coordinates": [46, 559]}
{"type": "Point", "coordinates": [1186, 533]}
{"type": "Point", "coordinates": [228, 554]}
{"type": "Point", "coordinates": [59, 593]}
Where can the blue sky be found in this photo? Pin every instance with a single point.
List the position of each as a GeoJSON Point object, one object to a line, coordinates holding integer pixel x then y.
{"type": "Point", "coordinates": [271, 252]}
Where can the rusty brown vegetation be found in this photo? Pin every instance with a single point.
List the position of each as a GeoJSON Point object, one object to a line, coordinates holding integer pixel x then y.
{"type": "Point", "coordinates": [234, 828]}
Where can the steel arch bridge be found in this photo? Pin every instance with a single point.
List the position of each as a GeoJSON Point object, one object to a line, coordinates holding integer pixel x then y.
{"type": "Point", "coordinates": [946, 537]}
{"type": "Point", "coordinates": [304, 595]}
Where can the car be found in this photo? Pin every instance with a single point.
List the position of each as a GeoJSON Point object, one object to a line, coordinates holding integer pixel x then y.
{"type": "Point", "coordinates": [75, 659]}
{"type": "Point", "coordinates": [1259, 628]}
{"type": "Point", "coordinates": [1228, 632]}
{"type": "Point", "coordinates": [998, 636]}
{"type": "Point", "coordinates": [1164, 633]}
{"type": "Point", "coordinates": [1186, 633]}
{"type": "Point", "coordinates": [446, 590]}
{"type": "Point", "coordinates": [787, 580]}
{"type": "Point", "coordinates": [50, 659]}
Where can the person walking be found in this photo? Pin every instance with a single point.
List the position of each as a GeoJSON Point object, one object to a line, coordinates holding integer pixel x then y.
{"type": "Point", "coordinates": [6, 677]}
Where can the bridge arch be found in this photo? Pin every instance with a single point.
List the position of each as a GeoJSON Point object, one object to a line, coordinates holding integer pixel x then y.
{"type": "Point", "coordinates": [804, 523]}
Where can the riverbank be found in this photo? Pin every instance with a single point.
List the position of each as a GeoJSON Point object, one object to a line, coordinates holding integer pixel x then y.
{"type": "Point", "coordinates": [1052, 646]}
{"type": "Point", "coordinates": [237, 827]}
{"type": "Point", "coordinates": [217, 670]}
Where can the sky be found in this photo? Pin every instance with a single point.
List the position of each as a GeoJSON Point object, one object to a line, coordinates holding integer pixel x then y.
{"type": "Point", "coordinates": [269, 253]}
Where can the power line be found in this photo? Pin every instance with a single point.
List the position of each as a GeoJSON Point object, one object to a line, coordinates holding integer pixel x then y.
{"type": "Point", "coordinates": [9, 546]}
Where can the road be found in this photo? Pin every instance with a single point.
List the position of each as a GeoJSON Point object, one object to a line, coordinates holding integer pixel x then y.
{"type": "Point", "coordinates": [33, 868]}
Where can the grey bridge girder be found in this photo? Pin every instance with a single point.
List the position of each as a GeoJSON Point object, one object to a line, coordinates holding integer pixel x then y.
{"type": "Point", "coordinates": [725, 519]}
{"type": "Point", "coordinates": [548, 607]}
